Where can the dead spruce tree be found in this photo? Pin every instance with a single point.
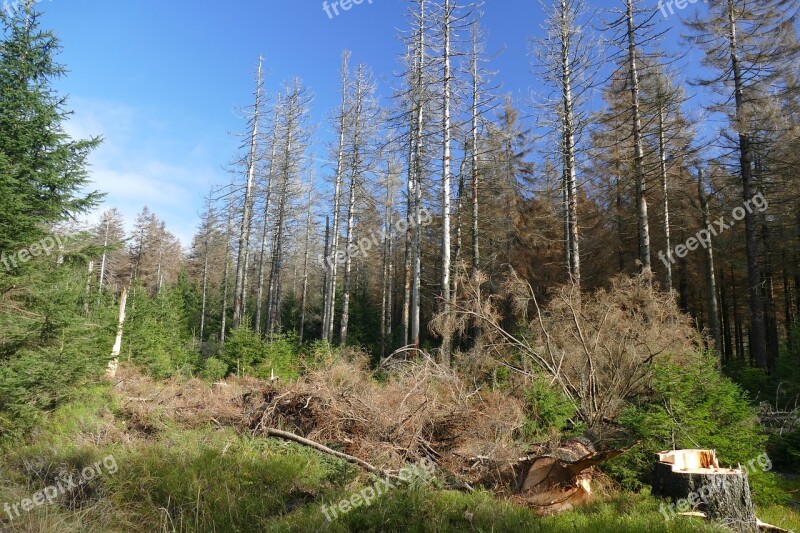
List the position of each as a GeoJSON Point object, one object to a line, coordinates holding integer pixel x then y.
{"type": "Point", "coordinates": [294, 135]}
{"type": "Point", "coordinates": [226, 265]}
{"type": "Point", "coordinates": [268, 176]}
{"type": "Point", "coordinates": [597, 348]}
{"type": "Point", "coordinates": [360, 157]}
{"type": "Point", "coordinates": [670, 137]}
{"type": "Point", "coordinates": [413, 127]}
{"type": "Point", "coordinates": [633, 33]}
{"type": "Point", "coordinates": [245, 227]}
{"type": "Point", "coordinates": [310, 201]}
{"type": "Point", "coordinates": [420, 99]}
{"type": "Point", "coordinates": [332, 249]}
{"type": "Point", "coordinates": [750, 45]}
{"type": "Point", "coordinates": [568, 58]}
{"type": "Point", "coordinates": [482, 101]}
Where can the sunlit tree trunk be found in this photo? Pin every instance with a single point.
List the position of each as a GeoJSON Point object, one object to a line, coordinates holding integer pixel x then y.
{"type": "Point", "coordinates": [247, 218]}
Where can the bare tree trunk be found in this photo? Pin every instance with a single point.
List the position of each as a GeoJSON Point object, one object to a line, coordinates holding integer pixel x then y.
{"type": "Point", "coordinates": [90, 271]}
{"type": "Point", "coordinates": [711, 286]}
{"type": "Point", "coordinates": [618, 219]}
{"type": "Point", "coordinates": [420, 171]}
{"type": "Point", "coordinates": [758, 350]}
{"type": "Point", "coordinates": [358, 119]}
{"type": "Point", "coordinates": [641, 200]}
{"type": "Point", "coordinates": [447, 340]}
{"type": "Point", "coordinates": [737, 322]}
{"type": "Point", "coordinates": [305, 267]}
{"type": "Point", "coordinates": [390, 282]}
{"type": "Point", "coordinates": [273, 302]}
{"type": "Point", "coordinates": [475, 175]}
{"type": "Point", "coordinates": [244, 233]}
{"type": "Point", "coordinates": [770, 314]}
{"type": "Point", "coordinates": [567, 224]}
{"type": "Point", "coordinates": [662, 161]}
{"type": "Point", "coordinates": [158, 269]}
{"type": "Point", "coordinates": [115, 351]}
{"type": "Point", "coordinates": [103, 260]}
{"type": "Point", "coordinates": [226, 274]}
{"type": "Point", "coordinates": [726, 320]}
{"type": "Point", "coordinates": [332, 261]}
{"type": "Point", "coordinates": [325, 273]}
{"type": "Point", "coordinates": [262, 260]}
{"type": "Point", "coordinates": [292, 150]}
{"type": "Point", "coordinates": [388, 272]}
{"type": "Point", "coordinates": [569, 160]}
{"type": "Point", "coordinates": [407, 258]}
{"type": "Point", "coordinates": [204, 292]}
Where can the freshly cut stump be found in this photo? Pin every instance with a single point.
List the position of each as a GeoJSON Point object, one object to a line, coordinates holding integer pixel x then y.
{"type": "Point", "coordinates": [694, 479]}
{"type": "Point", "coordinates": [560, 479]}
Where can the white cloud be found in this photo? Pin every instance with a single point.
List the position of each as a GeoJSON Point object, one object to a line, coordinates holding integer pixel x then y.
{"type": "Point", "coordinates": [138, 165]}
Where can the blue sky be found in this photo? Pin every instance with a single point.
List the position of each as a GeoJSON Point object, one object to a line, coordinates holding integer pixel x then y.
{"type": "Point", "coordinates": [162, 81]}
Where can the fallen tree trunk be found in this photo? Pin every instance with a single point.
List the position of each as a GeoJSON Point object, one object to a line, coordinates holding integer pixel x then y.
{"type": "Point", "coordinates": [694, 480]}
{"type": "Point", "coordinates": [324, 449]}
{"type": "Point", "coordinates": [453, 485]}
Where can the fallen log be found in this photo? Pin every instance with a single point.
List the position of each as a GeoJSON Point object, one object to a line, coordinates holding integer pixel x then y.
{"type": "Point", "coordinates": [330, 451]}
{"type": "Point", "coordinates": [455, 484]}
{"type": "Point", "coordinates": [694, 480]}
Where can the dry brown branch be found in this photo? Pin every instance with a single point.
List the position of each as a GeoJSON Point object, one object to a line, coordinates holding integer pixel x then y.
{"type": "Point", "coordinates": [597, 348]}
{"type": "Point", "coordinates": [324, 449]}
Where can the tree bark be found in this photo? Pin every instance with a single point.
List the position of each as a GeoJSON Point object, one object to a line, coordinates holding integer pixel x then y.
{"type": "Point", "coordinates": [722, 494]}
{"type": "Point", "coordinates": [446, 182]}
{"type": "Point", "coordinates": [641, 199]}
{"type": "Point", "coordinates": [115, 351]}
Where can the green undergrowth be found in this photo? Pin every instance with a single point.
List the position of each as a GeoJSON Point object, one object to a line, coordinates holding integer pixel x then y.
{"type": "Point", "coordinates": [214, 479]}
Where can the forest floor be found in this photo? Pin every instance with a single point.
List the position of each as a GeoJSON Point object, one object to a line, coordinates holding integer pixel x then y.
{"type": "Point", "coordinates": [188, 455]}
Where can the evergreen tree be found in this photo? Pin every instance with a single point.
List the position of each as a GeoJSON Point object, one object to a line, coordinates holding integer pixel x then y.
{"type": "Point", "coordinates": [47, 347]}
{"type": "Point", "coordinates": [42, 170]}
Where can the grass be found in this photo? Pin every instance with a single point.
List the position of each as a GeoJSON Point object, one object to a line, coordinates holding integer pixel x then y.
{"type": "Point", "coordinates": [431, 510]}
{"type": "Point", "coordinates": [213, 479]}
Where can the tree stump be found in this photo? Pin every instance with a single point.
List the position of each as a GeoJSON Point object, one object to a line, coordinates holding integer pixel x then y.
{"type": "Point", "coordinates": [561, 478]}
{"type": "Point", "coordinates": [694, 480]}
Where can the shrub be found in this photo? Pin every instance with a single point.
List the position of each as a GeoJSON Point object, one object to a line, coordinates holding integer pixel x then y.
{"type": "Point", "coordinates": [243, 349]}
{"type": "Point", "coordinates": [281, 355]}
{"type": "Point", "coordinates": [214, 369]}
{"type": "Point", "coordinates": [693, 406]}
{"type": "Point", "coordinates": [52, 349]}
{"type": "Point", "coordinates": [156, 333]}
{"type": "Point", "coordinates": [547, 410]}
{"type": "Point", "coordinates": [247, 352]}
